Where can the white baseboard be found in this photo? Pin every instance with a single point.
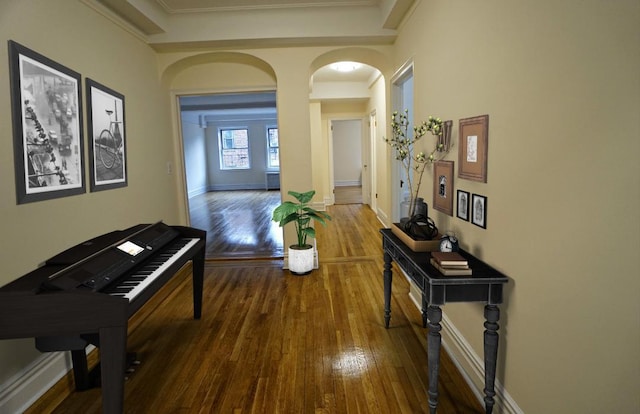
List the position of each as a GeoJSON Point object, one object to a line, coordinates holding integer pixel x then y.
{"type": "Point", "coordinates": [348, 183]}
{"type": "Point", "coordinates": [197, 192]}
{"type": "Point", "coordinates": [23, 389]}
{"type": "Point", "coordinates": [470, 364]}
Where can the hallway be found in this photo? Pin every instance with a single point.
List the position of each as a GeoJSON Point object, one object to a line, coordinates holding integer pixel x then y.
{"type": "Point", "coordinates": [270, 342]}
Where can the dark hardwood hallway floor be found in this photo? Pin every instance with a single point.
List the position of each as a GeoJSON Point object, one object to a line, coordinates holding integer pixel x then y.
{"type": "Point", "coordinates": [269, 342]}
{"type": "Point", "coordinates": [238, 223]}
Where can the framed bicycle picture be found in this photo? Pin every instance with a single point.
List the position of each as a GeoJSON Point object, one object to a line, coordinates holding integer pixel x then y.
{"type": "Point", "coordinates": [46, 105]}
{"type": "Point", "coordinates": [107, 145]}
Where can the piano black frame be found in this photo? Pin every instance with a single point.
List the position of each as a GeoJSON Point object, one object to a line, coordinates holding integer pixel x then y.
{"type": "Point", "coordinates": [27, 311]}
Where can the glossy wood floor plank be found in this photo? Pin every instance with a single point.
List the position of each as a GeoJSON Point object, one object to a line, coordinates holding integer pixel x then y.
{"type": "Point", "coordinates": [270, 342]}
{"type": "Point", "coordinates": [238, 223]}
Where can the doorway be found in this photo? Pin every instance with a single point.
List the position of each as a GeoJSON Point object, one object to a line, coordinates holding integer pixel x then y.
{"type": "Point", "coordinates": [402, 99]}
{"type": "Point", "coordinates": [347, 155]}
{"type": "Point", "coordinates": [231, 159]}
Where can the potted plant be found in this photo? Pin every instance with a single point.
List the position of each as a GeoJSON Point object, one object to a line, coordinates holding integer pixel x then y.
{"type": "Point", "coordinates": [302, 215]}
{"type": "Point", "coordinates": [417, 225]}
{"type": "Point", "coordinates": [414, 163]}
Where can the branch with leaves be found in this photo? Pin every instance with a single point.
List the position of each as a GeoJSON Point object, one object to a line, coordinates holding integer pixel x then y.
{"type": "Point", "coordinates": [414, 164]}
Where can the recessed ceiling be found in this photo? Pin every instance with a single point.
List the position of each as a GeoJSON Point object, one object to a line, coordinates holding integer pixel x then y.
{"type": "Point", "coordinates": [189, 6]}
{"type": "Point", "coordinates": [173, 25]}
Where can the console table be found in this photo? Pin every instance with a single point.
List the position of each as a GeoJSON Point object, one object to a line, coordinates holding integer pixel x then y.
{"type": "Point", "coordinates": [484, 285]}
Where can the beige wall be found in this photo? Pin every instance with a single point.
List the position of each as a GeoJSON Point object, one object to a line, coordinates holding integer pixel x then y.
{"type": "Point", "coordinates": [560, 82]}
{"type": "Point", "coordinates": [72, 34]}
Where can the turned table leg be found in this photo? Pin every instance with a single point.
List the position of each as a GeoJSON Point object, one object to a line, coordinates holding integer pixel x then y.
{"type": "Point", "coordinates": [387, 276]}
{"type": "Point", "coordinates": [434, 315]}
{"type": "Point", "coordinates": [491, 315]}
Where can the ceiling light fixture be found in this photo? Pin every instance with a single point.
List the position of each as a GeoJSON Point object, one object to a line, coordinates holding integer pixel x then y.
{"type": "Point", "coordinates": [345, 66]}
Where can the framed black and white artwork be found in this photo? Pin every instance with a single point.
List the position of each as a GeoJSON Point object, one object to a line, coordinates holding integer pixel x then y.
{"type": "Point", "coordinates": [479, 210]}
{"type": "Point", "coordinates": [462, 205]}
{"type": "Point", "coordinates": [107, 143]}
{"type": "Point", "coordinates": [46, 106]}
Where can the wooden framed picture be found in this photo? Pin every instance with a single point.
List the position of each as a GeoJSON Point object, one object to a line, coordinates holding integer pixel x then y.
{"type": "Point", "coordinates": [107, 146]}
{"type": "Point", "coordinates": [473, 148]}
{"type": "Point", "coordinates": [479, 210]}
{"type": "Point", "coordinates": [443, 186]}
{"type": "Point", "coordinates": [462, 211]}
{"type": "Point", "coordinates": [46, 109]}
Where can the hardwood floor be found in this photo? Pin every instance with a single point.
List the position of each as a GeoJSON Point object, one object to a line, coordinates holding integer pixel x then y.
{"type": "Point", "coordinates": [270, 342]}
{"type": "Point", "coordinates": [348, 194]}
{"type": "Point", "coordinates": [238, 223]}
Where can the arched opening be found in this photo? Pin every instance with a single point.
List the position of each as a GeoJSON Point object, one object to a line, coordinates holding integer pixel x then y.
{"type": "Point", "coordinates": [226, 108]}
{"type": "Point", "coordinates": [347, 106]}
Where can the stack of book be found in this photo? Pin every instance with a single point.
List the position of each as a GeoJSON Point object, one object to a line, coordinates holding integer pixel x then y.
{"type": "Point", "coordinates": [450, 263]}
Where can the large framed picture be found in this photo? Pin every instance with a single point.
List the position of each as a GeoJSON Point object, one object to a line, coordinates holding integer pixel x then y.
{"type": "Point", "coordinates": [473, 148]}
{"type": "Point", "coordinates": [479, 210]}
{"type": "Point", "coordinates": [46, 106]}
{"type": "Point", "coordinates": [443, 186]}
{"type": "Point", "coordinates": [463, 205]}
{"type": "Point", "coordinates": [107, 145]}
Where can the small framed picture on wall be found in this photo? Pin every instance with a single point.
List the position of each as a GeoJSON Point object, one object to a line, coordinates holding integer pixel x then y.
{"type": "Point", "coordinates": [443, 186]}
{"type": "Point", "coordinates": [463, 205]}
{"type": "Point", "coordinates": [473, 148]}
{"type": "Point", "coordinates": [479, 210]}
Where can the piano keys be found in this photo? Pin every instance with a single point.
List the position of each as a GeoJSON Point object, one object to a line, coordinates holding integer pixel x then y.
{"type": "Point", "coordinates": [86, 294]}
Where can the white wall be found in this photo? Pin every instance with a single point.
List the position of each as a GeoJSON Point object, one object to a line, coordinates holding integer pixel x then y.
{"type": "Point", "coordinates": [195, 156]}
{"type": "Point", "coordinates": [347, 152]}
{"type": "Point", "coordinates": [241, 179]}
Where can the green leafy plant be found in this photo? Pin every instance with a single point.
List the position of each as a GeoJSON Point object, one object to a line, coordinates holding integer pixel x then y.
{"type": "Point", "coordinates": [301, 214]}
{"type": "Point", "coordinates": [412, 163]}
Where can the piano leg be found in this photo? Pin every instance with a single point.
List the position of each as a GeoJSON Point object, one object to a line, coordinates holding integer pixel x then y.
{"type": "Point", "coordinates": [80, 370]}
{"type": "Point", "coordinates": [197, 271]}
{"type": "Point", "coordinates": [113, 349]}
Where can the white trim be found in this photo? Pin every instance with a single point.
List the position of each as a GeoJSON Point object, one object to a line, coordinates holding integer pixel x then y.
{"type": "Point", "coordinates": [24, 388]}
{"type": "Point", "coordinates": [348, 183]}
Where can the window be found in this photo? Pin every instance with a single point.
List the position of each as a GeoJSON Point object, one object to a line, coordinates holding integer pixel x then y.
{"type": "Point", "coordinates": [273, 148]}
{"type": "Point", "coordinates": [234, 149]}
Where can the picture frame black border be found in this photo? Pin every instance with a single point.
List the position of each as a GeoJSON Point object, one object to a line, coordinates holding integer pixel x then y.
{"type": "Point", "coordinates": [482, 223]}
{"type": "Point", "coordinates": [458, 194]}
{"type": "Point", "coordinates": [94, 185]}
{"type": "Point", "coordinates": [15, 50]}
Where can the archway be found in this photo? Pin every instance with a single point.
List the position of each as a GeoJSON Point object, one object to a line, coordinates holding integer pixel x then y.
{"type": "Point", "coordinates": [214, 94]}
{"type": "Point", "coordinates": [350, 101]}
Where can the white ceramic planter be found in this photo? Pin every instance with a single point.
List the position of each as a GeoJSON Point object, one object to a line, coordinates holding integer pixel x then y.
{"type": "Point", "coordinates": [300, 260]}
